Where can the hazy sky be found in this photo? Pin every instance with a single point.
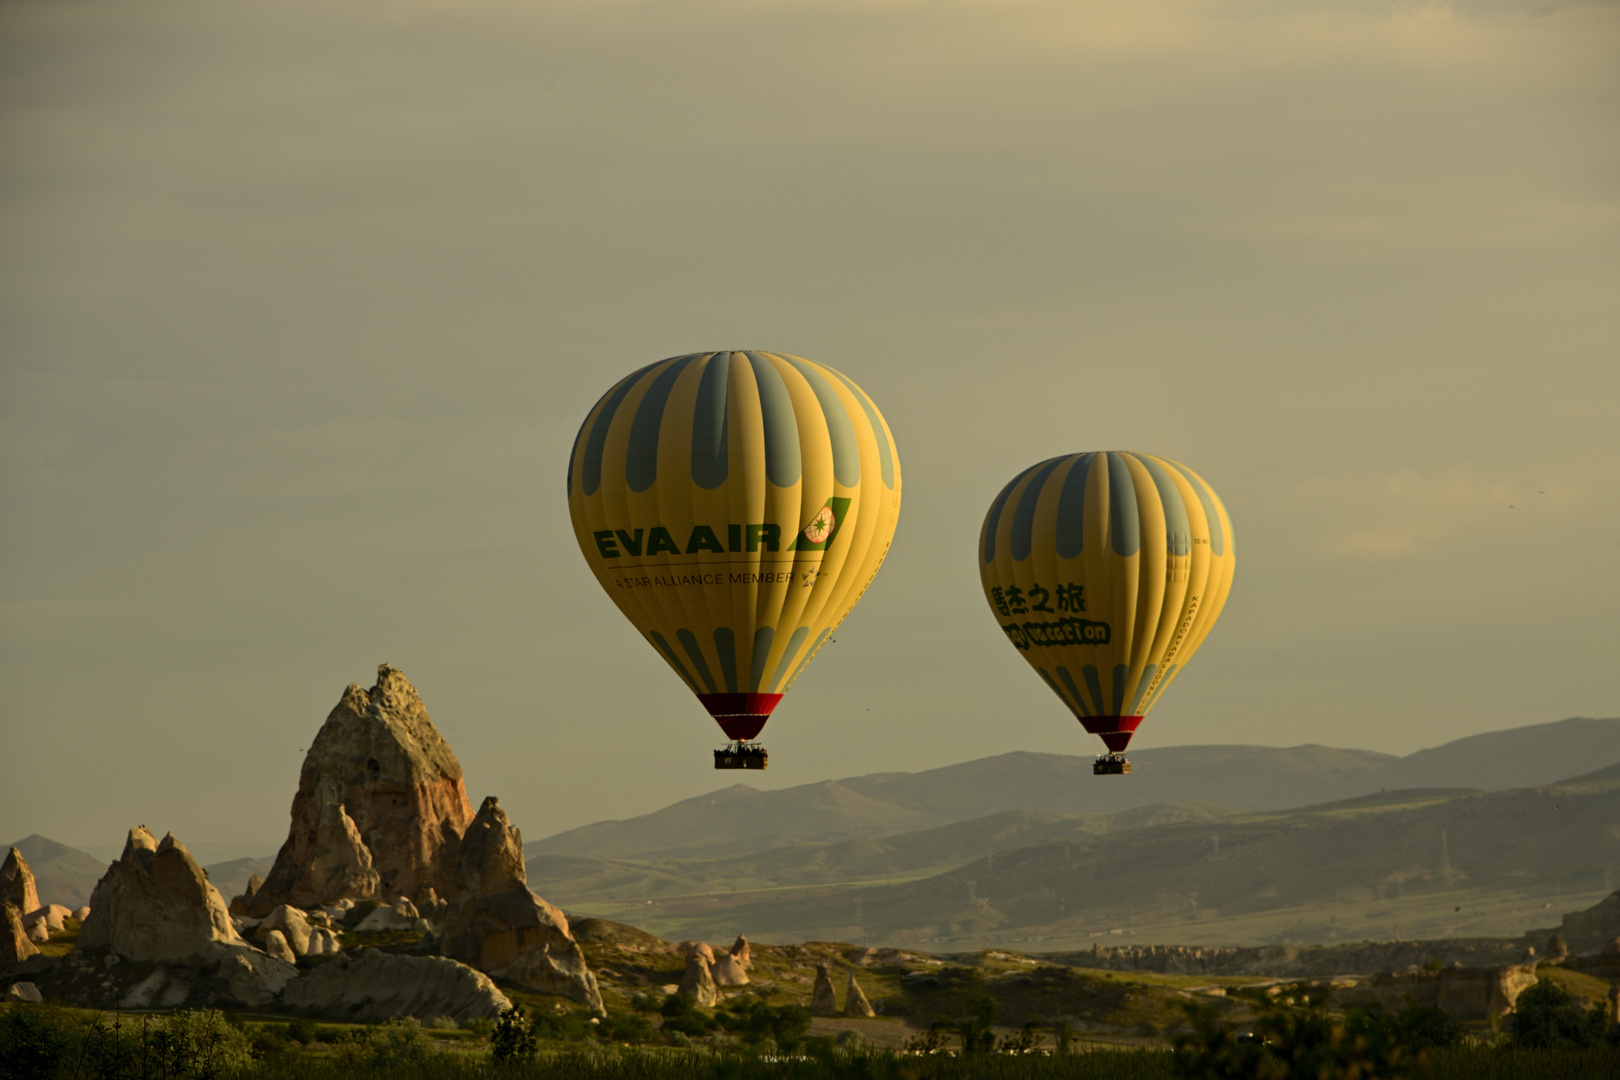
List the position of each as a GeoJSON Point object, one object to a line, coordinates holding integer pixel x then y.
{"type": "Point", "coordinates": [301, 305]}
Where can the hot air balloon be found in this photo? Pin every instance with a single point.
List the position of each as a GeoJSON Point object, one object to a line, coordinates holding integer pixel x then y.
{"type": "Point", "coordinates": [735, 505]}
{"type": "Point", "coordinates": [1106, 571]}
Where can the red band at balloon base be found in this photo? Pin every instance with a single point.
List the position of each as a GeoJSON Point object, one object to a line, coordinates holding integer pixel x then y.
{"type": "Point", "coordinates": [740, 716]}
{"type": "Point", "coordinates": [1115, 731]}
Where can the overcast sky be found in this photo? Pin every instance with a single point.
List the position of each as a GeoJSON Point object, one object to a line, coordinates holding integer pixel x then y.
{"type": "Point", "coordinates": [301, 305]}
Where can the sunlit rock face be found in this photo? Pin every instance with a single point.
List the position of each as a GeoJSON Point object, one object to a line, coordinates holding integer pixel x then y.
{"type": "Point", "coordinates": [496, 924]}
{"type": "Point", "coordinates": [380, 809]}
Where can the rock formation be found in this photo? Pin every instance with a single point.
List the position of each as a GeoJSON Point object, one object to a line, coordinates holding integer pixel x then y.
{"type": "Point", "coordinates": [17, 883]}
{"type": "Point", "coordinates": [822, 1000]}
{"type": "Point", "coordinates": [739, 952]}
{"type": "Point", "coordinates": [726, 971]}
{"type": "Point", "coordinates": [239, 904]}
{"type": "Point", "coordinates": [697, 982]}
{"type": "Point", "coordinates": [14, 944]}
{"type": "Point", "coordinates": [1466, 992]}
{"type": "Point", "coordinates": [380, 809]}
{"type": "Point", "coordinates": [39, 932]}
{"type": "Point", "coordinates": [23, 991]}
{"type": "Point", "coordinates": [275, 944]}
{"type": "Point", "coordinates": [155, 903]}
{"type": "Point", "coordinates": [497, 925]}
{"type": "Point", "coordinates": [291, 924]}
{"type": "Point", "coordinates": [690, 949]}
{"type": "Point", "coordinates": [55, 916]}
{"type": "Point", "coordinates": [369, 986]}
{"type": "Point", "coordinates": [855, 1003]}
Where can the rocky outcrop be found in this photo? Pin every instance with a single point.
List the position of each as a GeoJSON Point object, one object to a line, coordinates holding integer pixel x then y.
{"type": "Point", "coordinates": [697, 982]}
{"type": "Point", "coordinates": [823, 1002]}
{"type": "Point", "coordinates": [495, 924]}
{"type": "Point", "coordinates": [55, 916]}
{"type": "Point", "coordinates": [155, 903]}
{"type": "Point", "coordinates": [239, 904]}
{"type": "Point", "coordinates": [727, 971]}
{"type": "Point", "coordinates": [14, 944]}
{"type": "Point", "coordinates": [23, 991]}
{"type": "Point", "coordinates": [740, 952]}
{"type": "Point", "coordinates": [370, 986]}
{"type": "Point", "coordinates": [855, 1003]}
{"type": "Point", "coordinates": [690, 949]}
{"type": "Point", "coordinates": [275, 945]}
{"type": "Point", "coordinates": [380, 809]}
{"type": "Point", "coordinates": [1474, 993]}
{"type": "Point", "coordinates": [17, 886]}
{"type": "Point", "coordinates": [291, 924]}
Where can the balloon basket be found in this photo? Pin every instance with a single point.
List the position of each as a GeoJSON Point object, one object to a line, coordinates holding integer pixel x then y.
{"type": "Point", "coordinates": [1108, 765]}
{"type": "Point", "coordinates": [742, 755]}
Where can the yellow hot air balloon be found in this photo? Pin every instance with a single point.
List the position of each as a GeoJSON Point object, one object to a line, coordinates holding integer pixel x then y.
{"type": "Point", "coordinates": [1106, 571]}
{"type": "Point", "coordinates": [735, 505]}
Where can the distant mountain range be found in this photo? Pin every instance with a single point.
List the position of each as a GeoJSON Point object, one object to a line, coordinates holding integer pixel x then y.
{"type": "Point", "coordinates": [740, 819]}
{"type": "Point", "coordinates": [1015, 848]}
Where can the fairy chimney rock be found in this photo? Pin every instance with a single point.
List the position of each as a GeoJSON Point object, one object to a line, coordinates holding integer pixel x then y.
{"type": "Point", "coordinates": [380, 809]}
{"type": "Point", "coordinates": [155, 903]}
{"type": "Point", "coordinates": [497, 925]}
{"type": "Point", "coordinates": [739, 951]}
{"type": "Point", "coordinates": [855, 1003]}
{"type": "Point", "coordinates": [697, 982]}
{"type": "Point", "coordinates": [14, 944]}
{"type": "Point", "coordinates": [823, 1002]}
{"type": "Point", "coordinates": [17, 886]}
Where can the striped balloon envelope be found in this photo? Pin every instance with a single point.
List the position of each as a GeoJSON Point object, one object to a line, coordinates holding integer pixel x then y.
{"type": "Point", "coordinates": [1106, 571]}
{"type": "Point", "coordinates": [735, 505]}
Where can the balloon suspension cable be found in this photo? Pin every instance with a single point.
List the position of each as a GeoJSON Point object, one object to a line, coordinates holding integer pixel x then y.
{"type": "Point", "coordinates": [1111, 765]}
{"type": "Point", "coordinates": [742, 754]}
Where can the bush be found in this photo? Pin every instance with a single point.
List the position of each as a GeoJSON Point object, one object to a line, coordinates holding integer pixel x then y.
{"type": "Point", "coordinates": [399, 1042]}
{"type": "Point", "coordinates": [753, 1020]}
{"type": "Point", "coordinates": [513, 1037]}
{"type": "Point", "coordinates": [1545, 1017]}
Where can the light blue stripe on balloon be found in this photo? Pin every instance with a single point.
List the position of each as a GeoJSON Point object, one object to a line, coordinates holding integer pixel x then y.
{"type": "Point", "coordinates": [599, 431]}
{"type": "Point", "coordinates": [781, 426]}
{"type": "Point", "coordinates": [1217, 538]}
{"type": "Point", "coordinates": [1071, 513]}
{"type": "Point", "coordinates": [1074, 691]}
{"type": "Point", "coordinates": [675, 661]}
{"type": "Point", "coordinates": [1121, 671]}
{"type": "Point", "coordinates": [1177, 533]}
{"type": "Point", "coordinates": [689, 642]}
{"type": "Point", "coordinates": [840, 432]}
{"type": "Point", "coordinates": [788, 654]}
{"type": "Point", "coordinates": [641, 458]}
{"type": "Point", "coordinates": [992, 520]}
{"type": "Point", "coordinates": [762, 649]}
{"type": "Point", "coordinates": [808, 653]}
{"type": "Point", "coordinates": [1094, 684]}
{"type": "Point", "coordinates": [1124, 520]}
{"type": "Point", "coordinates": [1023, 526]}
{"type": "Point", "coordinates": [1141, 687]}
{"type": "Point", "coordinates": [711, 435]}
{"type": "Point", "coordinates": [885, 457]}
{"type": "Point", "coordinates": [1061, 695]}
{"type": "Point", "coordinates": [725, 643]}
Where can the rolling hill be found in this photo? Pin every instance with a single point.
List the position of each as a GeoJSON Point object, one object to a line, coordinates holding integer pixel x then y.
{"type": "Point", "coordinates": [741, 819]}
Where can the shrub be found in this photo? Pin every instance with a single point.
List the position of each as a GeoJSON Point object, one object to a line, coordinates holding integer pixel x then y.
{"type": "Point", "coordinates": [1545, 1017]}
{"type": "Point", "coordinates": [513, 1037]}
